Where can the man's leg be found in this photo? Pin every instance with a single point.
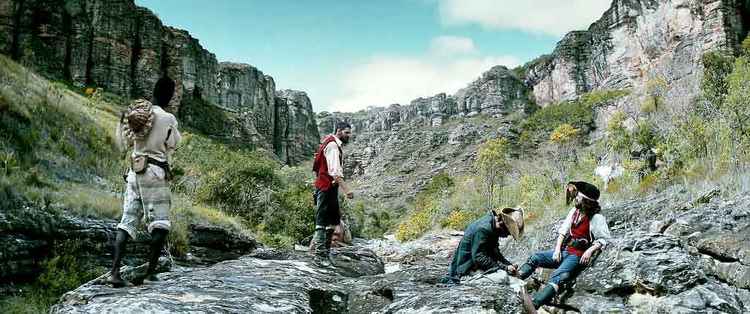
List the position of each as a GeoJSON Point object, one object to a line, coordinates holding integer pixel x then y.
{"type": "Point", "coordinates": [539, 259]}
{"type": "Point", "coordinates": [132, 210]}
{"type": "Point", "coordinates": [158, 239]}
{"type": "Point", "coordinates": [568, 265]}
{"type": "Point", "coordinates": [157, 204]}
{"type": "Point", "coordinates": [319, 237]}
{"type": "Point", "coordinates": [119, 251]}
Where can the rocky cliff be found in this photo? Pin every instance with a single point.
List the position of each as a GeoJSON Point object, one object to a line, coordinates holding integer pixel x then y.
{"type": "Point", "coordinates": [124, 49]}
{"type": "Point", "coordinates": [637, 41]}
{"type": "Point", "coordinates": [635, 45]}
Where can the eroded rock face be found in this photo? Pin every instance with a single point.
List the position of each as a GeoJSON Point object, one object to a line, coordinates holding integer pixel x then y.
{"type": "Point", "coordinates": [32, 234]}
{"type": "Point", "coordinates": [124, 49]}
{"type": "Point", "coordinates": [635, 42]}
{"type": "Point", "coordinates": [296, 135]}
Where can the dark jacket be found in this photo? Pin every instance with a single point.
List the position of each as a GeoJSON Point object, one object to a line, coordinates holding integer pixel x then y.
{"type": "Point", "coordinates": [478, 249]}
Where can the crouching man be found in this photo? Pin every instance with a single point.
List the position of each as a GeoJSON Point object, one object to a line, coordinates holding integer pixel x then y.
{"type": "Point", "coordinates": [583, 233]}
{"type": "Point", "coordinates": [152, 133]}
{"type": "Point", "coordinates": [478, 249]}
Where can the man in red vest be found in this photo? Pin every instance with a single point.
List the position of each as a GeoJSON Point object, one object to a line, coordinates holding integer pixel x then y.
{"type": "Point", "coordinates": [328, 167]}
{"type": "Point", "coordinates": [581, 235]}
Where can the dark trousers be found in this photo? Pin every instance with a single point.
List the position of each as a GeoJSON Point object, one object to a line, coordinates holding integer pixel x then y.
{"type": "Point", "coordinates": [327, 211]}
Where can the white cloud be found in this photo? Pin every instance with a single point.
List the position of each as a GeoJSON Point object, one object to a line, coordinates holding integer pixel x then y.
{"type": "Point", "coordinates": [452, 45]}
{"type": "Point", "coordinates": [553, 17]}
{"type": "Point", "coordinates": [449, 65]}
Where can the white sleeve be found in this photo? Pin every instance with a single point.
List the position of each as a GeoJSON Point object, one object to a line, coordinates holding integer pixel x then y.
{"type": "Point", "coordinates": [333, 160]}
{"type": "Point", "coordinates": [174, 136]}
{"type": "Point", "coordinates": [600, 230]}
{"type": "Point", "coordinates": [565, 227]}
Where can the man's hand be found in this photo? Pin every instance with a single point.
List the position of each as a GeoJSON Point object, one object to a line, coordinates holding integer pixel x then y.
{"type": "Point", "coordinates": [512, 269]}
{"type": "Point", "coordinates": [349, 195]}
{"type": "Point", "coordinates": [586, 257]}
{"type": "Point", "coordinates": [557, 255]}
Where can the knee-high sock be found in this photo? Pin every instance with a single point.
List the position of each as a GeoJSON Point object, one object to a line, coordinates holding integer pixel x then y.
{"type": "Point", "coordinates": [158, 238]}
{"type": "Point", "coordinates": [121, 239]}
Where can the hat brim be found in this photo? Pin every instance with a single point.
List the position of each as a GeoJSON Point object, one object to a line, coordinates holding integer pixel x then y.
{"type": "Point", "coordinates": [514, 226]}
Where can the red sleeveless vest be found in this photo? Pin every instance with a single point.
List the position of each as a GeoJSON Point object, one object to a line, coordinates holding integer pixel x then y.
{"type": "Point", "coordinates": [580, 231]}
{"type": "Point", "coordinates": [323, 180]}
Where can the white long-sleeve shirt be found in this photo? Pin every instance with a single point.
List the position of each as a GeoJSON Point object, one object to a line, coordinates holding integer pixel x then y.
{"type": "Point", "coordinates": [598, 229]}
{"type": "Point", "coordinates": [333, 158]}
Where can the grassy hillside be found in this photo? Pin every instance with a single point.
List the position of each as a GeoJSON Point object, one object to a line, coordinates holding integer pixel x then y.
{"type": "Point", "coordinates": [708, 145]}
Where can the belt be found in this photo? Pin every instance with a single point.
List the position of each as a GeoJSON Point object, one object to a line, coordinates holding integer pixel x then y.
{"type": "Point", "coordinates": [161, 164]}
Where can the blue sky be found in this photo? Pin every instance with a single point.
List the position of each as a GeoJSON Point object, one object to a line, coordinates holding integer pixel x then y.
{"type": "Point", "coordinates": [348, 55]}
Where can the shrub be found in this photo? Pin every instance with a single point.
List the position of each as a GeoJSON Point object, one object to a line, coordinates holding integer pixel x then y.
{"type": "Point", "coordinates": [716, 67]}
{"type": "Point", "coordinates": [458, 219]}
{"type": "Point", "coordinates": [492, 165]}
{"type": "Point", "coordinates": [578, 113]}
{"type": "Point", "coordinates": [415, 225]}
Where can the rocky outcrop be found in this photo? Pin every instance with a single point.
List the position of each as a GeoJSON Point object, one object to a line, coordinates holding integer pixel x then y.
{"type": "Point", "coordinates": [498, 92]}
{"type": "Point", "coordinates": [32, 235]}
{"type": "Point", "coordinates": [124, 49]}
{"type": "Point", "coordinates": [245, 90]}
{"type": "Point", "coordinates": [636, 42]}
{"type": "Point", "coordinates": [296, 133]}
{"type": "Point", "coordinates": [279, 281]}
{"type": "Point", "coordinates": [671, 252]}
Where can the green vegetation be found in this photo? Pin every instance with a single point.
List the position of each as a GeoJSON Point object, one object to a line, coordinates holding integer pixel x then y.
{"type": "Point", "coordinates": [656, 148]}
{"type": "Point", "coordinates": [492, 164]}
{"type": "Point", "coordinates": [58, 153]}
{"type": "Point", "coordinates": [578, 113]}
{"type": "Point", "coordinates": [62, 273]}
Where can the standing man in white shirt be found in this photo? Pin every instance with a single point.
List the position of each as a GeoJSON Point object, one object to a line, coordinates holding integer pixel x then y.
{"type": "Point", "coordinates": [152, 134]}
{"type": "Point", "coordinates": [329, 171]}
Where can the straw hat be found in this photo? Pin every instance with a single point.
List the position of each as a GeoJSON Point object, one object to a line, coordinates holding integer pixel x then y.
{"type": "Point", "coordinates": [513, 219]}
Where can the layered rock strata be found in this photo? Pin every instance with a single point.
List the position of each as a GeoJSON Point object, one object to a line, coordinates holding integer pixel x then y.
{"type": "Point", "coordinates": [124, 49]}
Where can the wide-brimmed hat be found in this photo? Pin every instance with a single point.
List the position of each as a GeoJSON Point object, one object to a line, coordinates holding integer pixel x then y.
{"type": "Point", "coordinates": [513, 220]}
{"type": "Point", "coordinates": [587, 189]}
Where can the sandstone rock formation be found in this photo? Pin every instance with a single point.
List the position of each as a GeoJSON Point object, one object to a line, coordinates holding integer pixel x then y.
{"type": "Point", "coordinates": [637, 41]}
{"type": "Point", "coordinates": [124, 49]}
{"type": "Point", "coordinates": [296, 133]}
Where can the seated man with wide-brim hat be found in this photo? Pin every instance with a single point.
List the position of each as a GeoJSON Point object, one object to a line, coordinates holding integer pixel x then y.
{"type": "Point", "coordinates": [478, 249]}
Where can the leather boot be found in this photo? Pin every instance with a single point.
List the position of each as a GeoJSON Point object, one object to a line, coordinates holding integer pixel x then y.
{"type": "Point", "coordinates": [329, 239]}
{"type": "Point", "coordinates": [544, 296]}
{"type": "Point", "coordinates": [319, 242]}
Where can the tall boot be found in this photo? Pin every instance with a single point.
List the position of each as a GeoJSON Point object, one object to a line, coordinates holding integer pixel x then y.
{"type": "Point", "coordinates": [544, 296]}
{"type": "Point", "coordinates": [322, 247]}
{"type": "Point", "coordinates": [121, 239]}
{"type": "Point", "coordinates": [525, 271]}
{"type": "Point", "coordinates": [158, 239]}
{"type": "Point", "coordinates": [329, 243]}
{"type": "Point", "coordinates": [329, 239]}
{"type": "Point", "coordinates": [319, 242]}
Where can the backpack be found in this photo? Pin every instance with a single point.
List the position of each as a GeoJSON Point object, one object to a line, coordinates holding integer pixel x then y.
{"type": "Point", "coordinates": [138, 119]}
